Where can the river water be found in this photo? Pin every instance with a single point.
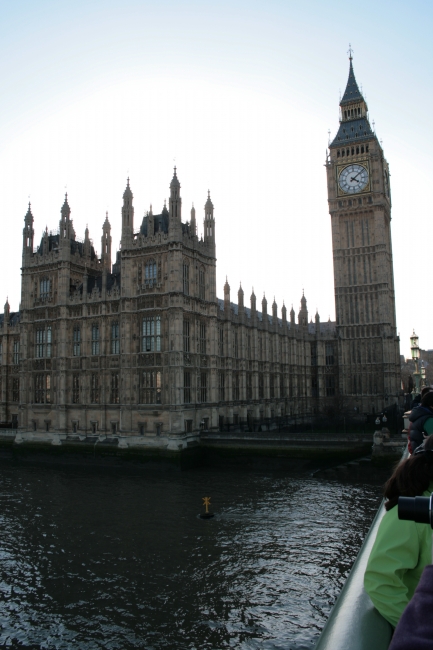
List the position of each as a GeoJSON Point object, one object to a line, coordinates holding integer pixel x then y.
{"type": "Point", "coordinates": [114, 560]}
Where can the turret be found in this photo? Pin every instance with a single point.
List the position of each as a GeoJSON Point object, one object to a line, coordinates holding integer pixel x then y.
{"type": "Point", "coordinates": [274, 311]}
{"type": "Point", "coordinates": [150, 223]}
{"type": "Point", "coordinates": [284, 313]}
{"type": "Point", "coordinates": [193, 222]}
{"type": "Point", "coordinates": [127, 216]}
{"type": "Point", "coordinates": [86, 243]}
{"type": "Point", "coordinates": [264, 308]}
{"type": "Point", "coordinates": [175, 207]}
{"type": "Point", "coordinates": [253, 305]}
{"type": "Point", "coordinates": [209, 221]}
{"type": "Point", "coordinates": [240, 300]}
{"type": "Point", "coordinates": [317, 322]}
{"type": "Point", "coordinates": [303, 312]}
{"type": "Point", "coordinates": [106, 245]}
{"type": "Point", "coordinates": [226, 296]}
{"type": "Point", "coordinates": [67, 231]}
{"type": "Point", "coordinates": [292, 316]}
{"type": "Point", "coordinates": [28, 233]}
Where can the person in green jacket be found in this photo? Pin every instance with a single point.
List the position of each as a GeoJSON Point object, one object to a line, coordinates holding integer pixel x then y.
{"type": "Point", "coordinates": [402, 548]}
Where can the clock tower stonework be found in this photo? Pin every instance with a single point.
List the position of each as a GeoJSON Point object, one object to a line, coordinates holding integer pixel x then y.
{"type": "Point", "coordinates": [359, 200]}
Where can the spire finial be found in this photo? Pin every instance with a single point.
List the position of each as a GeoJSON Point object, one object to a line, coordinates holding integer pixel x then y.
{"type": "Point", "coordinates": [208, 194]}
{"type": "Point", "coordinates": [350, 53]}
{"type": "Point", "coordinates": [127, 182]}
{"type": "Point", "coordinates": [175, 170]}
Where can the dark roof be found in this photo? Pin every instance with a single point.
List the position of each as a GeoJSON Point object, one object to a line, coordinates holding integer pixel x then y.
{"type": "Point", "coordinates": [14, 318]}
{"type": "Point", "coordinates": [53, 244]}
{"type": "Point", "coordinates": [352, 92]}
{"type": "Point", "coordinates": [353, 131]}
{"type": "Point", "coordinates": [160, 222]}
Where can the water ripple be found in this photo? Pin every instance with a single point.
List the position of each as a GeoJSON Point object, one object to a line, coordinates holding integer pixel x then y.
{"type": "Point", "coordinates": [117, 561]}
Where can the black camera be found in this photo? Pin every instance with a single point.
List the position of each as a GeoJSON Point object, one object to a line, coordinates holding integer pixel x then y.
{"type": "Point", "coordinates": [418, 509]}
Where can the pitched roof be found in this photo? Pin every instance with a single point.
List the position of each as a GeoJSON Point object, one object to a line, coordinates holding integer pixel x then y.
{"type": "Point", "coordinates": [352, 92]}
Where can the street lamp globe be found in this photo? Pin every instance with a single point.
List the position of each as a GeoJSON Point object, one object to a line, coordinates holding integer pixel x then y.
{"type": "Point", "coordinates": [414, 347]}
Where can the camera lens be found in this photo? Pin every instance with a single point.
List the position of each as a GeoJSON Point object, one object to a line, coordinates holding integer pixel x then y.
{"type": "Point", "coordinates": [415, 509]}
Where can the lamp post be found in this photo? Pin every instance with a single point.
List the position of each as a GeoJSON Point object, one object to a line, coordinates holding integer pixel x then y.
{"type": "Point", "coordinates": [414, 348]}
{"type": "Point", "coordinates": [422, 374]}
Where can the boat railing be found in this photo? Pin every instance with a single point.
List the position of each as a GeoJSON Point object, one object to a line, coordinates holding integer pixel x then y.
{"type": "Point", "coordinates": [354, 622]}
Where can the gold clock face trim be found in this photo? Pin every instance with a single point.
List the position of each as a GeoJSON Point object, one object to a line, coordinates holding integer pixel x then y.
{"type": "Point", "coordinates": [353, 178]}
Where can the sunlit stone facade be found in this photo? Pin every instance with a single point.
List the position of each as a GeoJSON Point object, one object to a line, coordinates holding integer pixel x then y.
{"type": "Point", "coordinates": [144, 347]}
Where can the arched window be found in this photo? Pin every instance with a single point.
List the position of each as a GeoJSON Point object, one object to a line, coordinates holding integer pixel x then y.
{"type": "Point", "coordinates": [115, 342]}
{"type": "Point", "coordinates": [95, 339]}
{"type": "Point", "coordinates": [201, 283]}
{"type": "Point", "coordinates": [43, 342]}
{"type": "Point", "coordinates": [151, 385]}
{"type": "Point", "coordinates": [186, 278]}
{"type": "Point", "coordinates": [77, 342]}
{"type": "Point", "coordinates": [150, 274]}
{"type": "Point", "coordinates": [151, 334]}
{"type": "Point", "coordinates": [45, 288]}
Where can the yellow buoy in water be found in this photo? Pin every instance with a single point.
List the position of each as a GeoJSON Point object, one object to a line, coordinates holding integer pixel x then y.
{"type": "Point", "coordinates": [206, 514]}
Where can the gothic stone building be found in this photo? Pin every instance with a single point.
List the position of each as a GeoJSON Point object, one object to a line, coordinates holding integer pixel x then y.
{"type": "Point", "coordinates": [145, 347]}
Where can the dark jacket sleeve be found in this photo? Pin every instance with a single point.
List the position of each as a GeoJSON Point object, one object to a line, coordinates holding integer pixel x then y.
{"type": "Point", "coordinates": [415, 628]}
{"type": "Point", "coordinates": [416, 439]}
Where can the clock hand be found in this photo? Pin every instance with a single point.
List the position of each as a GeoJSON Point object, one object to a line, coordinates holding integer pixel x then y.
{"type": "Point", "coordinates": [354, 177]}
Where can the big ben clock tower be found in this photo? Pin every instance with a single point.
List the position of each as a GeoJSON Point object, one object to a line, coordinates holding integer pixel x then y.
{"type": "Point", "coordinates": [359, 200]}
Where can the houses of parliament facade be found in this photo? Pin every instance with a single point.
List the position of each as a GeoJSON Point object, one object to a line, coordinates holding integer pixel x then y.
{"type": "Point", "coordinates": [143, 347]}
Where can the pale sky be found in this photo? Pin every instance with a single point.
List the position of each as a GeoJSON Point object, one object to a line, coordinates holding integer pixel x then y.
{"type": "Point", "coordinates": [241, 96]}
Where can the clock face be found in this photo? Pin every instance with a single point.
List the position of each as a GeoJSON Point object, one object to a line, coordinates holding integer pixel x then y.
{"type": "Point", "coordinates": [353, 179]}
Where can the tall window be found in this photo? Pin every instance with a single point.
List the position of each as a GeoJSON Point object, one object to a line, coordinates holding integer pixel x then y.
{"type": "Point", "coordinates": [43, 343]}
{"type": "Point", "coordinates": [271, 386]}
{"type": "Point", "coordinates": [221, 341]}
{"type": "Point", "coordinates": [44, 288]}
{"type": "Point", "coordinates": [115, 342]}
{"type": "Point", "coordinates": [249, 346]}
{"type": "Point", "coordinates": [236, 387]}
{"type": "Point", "coordinates": [151, 334]}
{"type": "Point", "coordinates": [201, 284]}
{"type": "Point", "coordinates": [314, 354]}
{"type": "Point", "coordinates": [329, 352]}
{"type": "Point", "coordinates": [203, 387]}
{"type": "Point", "coordinates": [77, 341]}
{"type": "Point", "coordinates": [330, 385]}
{"type": "Point", "coordinates": [186, 335]}
{"type": "Point", "coordinates": [75, 389]}
{"type": "Point", "coordinates": [95, 339]}
{"type": "Point", "coordinates": [249, 385]}
{"type": "Point", "coordinates": [235, 346]}
{"type": "Point", "coordinates": [114, 396]}
{"type": "Point", "coordinates": [186, 278]}
{"type": "Point", "coordinates": [94, 389]}
{"type": "Point", "coordinates": [187, 387]}
{"type": "Point", "coordinates": [202, 340]}
{"type": "Point", "coordinates": [16, 353]}
{"type": "Point", "coordinates": [43, 389]}
{"type": "Point", "coordinates": [222, 391]}
{"type": "Point", "coordinates": [15, 389]}
{"type": "Point", "coordinates": [150, 274]}
{"type": "Point", "coordinates": [151, 385]}
{"type": "Point", "coordinates": [261, 386]}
